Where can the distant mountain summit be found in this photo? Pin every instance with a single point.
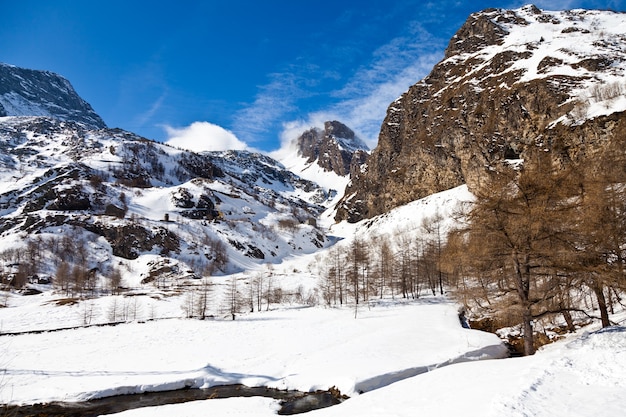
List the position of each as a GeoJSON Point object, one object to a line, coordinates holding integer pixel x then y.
{"type": "Point", "coordinates": [27, 92]}
{"type": "Point", "coordinates": [511, 82]}
{"type": "Point", "coordinates": [327, 156]}
{"type": "Point", "coordinates": [335, 148]}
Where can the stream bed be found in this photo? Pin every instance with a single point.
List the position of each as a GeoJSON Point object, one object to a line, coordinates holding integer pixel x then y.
{"type": "Point", "coordinates": [292, 402]}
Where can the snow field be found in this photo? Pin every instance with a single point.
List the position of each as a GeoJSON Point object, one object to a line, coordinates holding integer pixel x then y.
{"type": "Point", "coordinates": [582, 376]}
{"type": "Point", "coordinates": [298, 348]}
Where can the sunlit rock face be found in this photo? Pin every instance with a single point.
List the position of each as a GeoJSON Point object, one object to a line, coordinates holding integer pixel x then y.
{"type": "Point", "coordinates": [511, 80]}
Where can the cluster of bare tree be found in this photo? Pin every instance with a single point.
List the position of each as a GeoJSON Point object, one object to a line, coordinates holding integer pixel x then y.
{"type": "Point", "coordinates": [198, 300]}
{"type": "Point", "coordinates": [62, 260]}
{"type": "Point", "coordinates": [399, 265]}
{"type": "Point", "coordinates": [258, 292]}
{"type": "Point", "coordinates": [543, 239]}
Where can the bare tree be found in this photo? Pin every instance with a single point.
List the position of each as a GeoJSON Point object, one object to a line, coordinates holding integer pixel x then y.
{"type": "Point", "coordinates": [518, 229]}
{"type": "Point", "coordinates": [115, 280]}
{"type": "Point", "coordinates": [269, 272]}
{"type": "Point", "coordinates": [20, 277]}
{"type": "Point", "coordinates": [63, 278]}
{"type": "Point", "coordinates": [218, 253]}
{"type": "Point", "coordinates": [602, 226]}
{"type": "Point", "coordinates": [336, 274]}
{"type": "Point", "coordinates": [385, 266]}
{"type": "Point", "coordinates": [358, 262]}
{"type": "Point", "coordinates": [189, 304]}
{"type": "Point", "coordinates": [233, 297]}
{"type": "Point", "coordinates": [78, 278]}
{"type": "Point", "coordinates": [257, 288]}
{"type": "Point", "coordinates": [433, 226]}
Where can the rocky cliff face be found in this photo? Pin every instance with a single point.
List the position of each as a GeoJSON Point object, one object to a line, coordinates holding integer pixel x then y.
{"type": "Point", "coordinates": [510, 81]}
{"type": "Point", "coordinates": [335, 148]}
{"type": "Point", "coordinates": [26, 92]}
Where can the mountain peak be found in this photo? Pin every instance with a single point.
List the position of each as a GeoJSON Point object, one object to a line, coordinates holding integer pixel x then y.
{"type": "Point", "coordinates": [335, 148]}
{"type": "Point", "coordinates": [27, 92]}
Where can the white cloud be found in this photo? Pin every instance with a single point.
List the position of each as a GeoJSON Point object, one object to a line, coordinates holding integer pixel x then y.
{"type": "Point", "coordinates": [293, 129]}
{"type": "Point", "coordinates": [360, 101]}
{"type": "Point", "coordinates": [203, 136]}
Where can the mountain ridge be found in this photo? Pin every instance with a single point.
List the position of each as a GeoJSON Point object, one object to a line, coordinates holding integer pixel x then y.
{"type": "Point", "coordinates": [27, 92]}
{"type": "Point", "coordinates": [126, 200]}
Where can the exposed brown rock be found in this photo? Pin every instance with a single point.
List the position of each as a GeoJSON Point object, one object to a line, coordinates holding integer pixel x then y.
{"type": "Point", "coordinates": [473, 112]}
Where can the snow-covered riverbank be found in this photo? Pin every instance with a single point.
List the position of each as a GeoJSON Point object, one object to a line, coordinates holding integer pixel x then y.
{"type": "Point", "coordinates": [297, 348]}
{"type": "Point", "coordinates": [378, 359]}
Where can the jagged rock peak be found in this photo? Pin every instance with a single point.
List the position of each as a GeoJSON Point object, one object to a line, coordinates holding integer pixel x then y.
{"type": "Point", "coordinates": [27, 92]}
{"type": "Point", "coordinates": [335, 148]}
{"type": "Point", "coordinates": [511, 81]}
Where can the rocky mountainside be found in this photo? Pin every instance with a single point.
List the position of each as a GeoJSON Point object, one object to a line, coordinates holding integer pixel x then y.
{"type": "Point", "coordinates": [335, 148]}
{"type": "Point", "coordinates": [26, 92]}
{"type": "Point", "coordinates": [510, 81]}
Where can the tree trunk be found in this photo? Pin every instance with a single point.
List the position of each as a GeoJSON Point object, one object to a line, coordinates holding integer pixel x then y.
{"type": "Point", "coordinates": [568, 319]}
{"type": "Point", "coordinates": [522, 283]}
{"type": "Point", "coordinates": [604, 312]}
{"type": "Point", "coordinates": [529, 338]}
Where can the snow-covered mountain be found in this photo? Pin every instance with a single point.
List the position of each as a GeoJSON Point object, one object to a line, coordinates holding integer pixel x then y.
{"type": "Point", "coordinates": [327, 156]}
{"type": "Point", "coordinates": [27, 92]}
{"type": "Point", "coordinates": [511, 81]}
{"type": "Point", "coordinates": [104, 198]}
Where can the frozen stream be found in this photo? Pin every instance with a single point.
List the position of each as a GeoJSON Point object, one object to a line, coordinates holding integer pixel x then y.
{"type": "Point", "coordinates": [292, 402]}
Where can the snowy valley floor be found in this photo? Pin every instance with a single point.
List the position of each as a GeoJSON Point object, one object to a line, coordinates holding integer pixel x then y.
{"type": "Point", "coordinates": [380, 354]}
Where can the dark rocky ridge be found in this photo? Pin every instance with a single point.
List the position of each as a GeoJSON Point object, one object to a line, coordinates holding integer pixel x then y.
{"type": "Point", "coordinates": [336, 148]}
{"type": "Point", "coordinates": [27, 92]}
{"type": "Point", "coordinates": [474, 111]}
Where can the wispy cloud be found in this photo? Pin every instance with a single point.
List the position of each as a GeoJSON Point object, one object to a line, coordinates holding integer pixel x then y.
{"type": "Point", "coordinates": [145, 117]}
{"type": "Point", "coordinates": [274, 100]}
{"type": "Point", "coordinates": [203, 136]}
{"type": "Point", "coordinates": [362, 101]}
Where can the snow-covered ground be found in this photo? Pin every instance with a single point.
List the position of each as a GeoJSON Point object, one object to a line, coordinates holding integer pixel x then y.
{"type": "Point", "coordinates": [403, 358]}
{"type": "Point", "coordinates": [297, 348]}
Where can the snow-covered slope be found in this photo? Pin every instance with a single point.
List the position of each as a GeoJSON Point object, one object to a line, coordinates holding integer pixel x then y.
{"type": "Point", "coordinates": [326, 156]}
{"type": "Point", "coordinates": [145, 205]}
{"type": "Point", "coordinates": [298, 348]}
{"type": "Point", "coordinates": [583, 51]}
{"type": "Point", "coordinates": [581, 377]}
{"type": "Point", "coordinates": [333, 183]}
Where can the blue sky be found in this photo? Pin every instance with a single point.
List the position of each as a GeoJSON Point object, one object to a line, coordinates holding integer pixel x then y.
{"type": "Point", "coordinates": [236, 73]}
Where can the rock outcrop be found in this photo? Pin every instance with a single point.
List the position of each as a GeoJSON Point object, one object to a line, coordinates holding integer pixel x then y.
{"type": "Point", "coordinates": [510, 81]}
